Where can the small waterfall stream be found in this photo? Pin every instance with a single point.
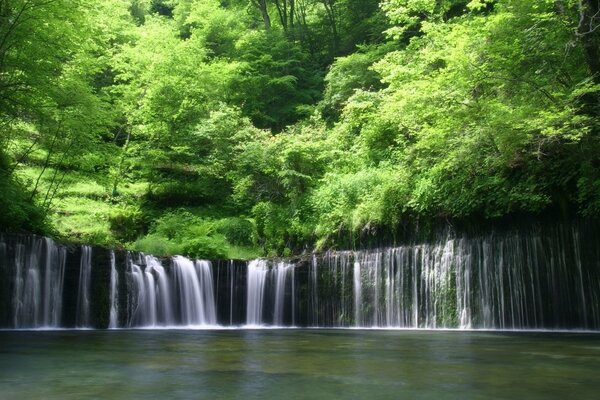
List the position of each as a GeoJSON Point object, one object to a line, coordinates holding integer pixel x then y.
{"type": "Point", "coordinates": [114, 293]}
{"type": "Point", "coordinates": [193, 282]}
{"type": "Point", "coordinates": [357, 285]}
{"type": "Point", "coordinates": [204, 273]}
{"type": "Point", "coordinates": [284, 278]}
{"type": "Point", "coordinates": [521, 279]}
{"type": "Point", "coordinates": [83, 293]}
{"type": "Point", "coordinates": [257, 275]}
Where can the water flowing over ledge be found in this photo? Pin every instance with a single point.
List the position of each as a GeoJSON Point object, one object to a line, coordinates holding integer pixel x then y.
{"type": "Point", "coordinates": [543, 277]}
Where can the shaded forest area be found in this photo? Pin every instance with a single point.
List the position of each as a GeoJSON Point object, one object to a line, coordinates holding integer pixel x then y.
{"type": "Point", "coordinates": [240, 128]}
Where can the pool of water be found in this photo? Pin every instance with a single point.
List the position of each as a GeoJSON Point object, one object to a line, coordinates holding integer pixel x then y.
{"type": "Point", "coordinates": [298, 364]}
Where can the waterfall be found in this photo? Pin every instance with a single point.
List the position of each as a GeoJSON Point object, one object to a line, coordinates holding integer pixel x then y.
{"type": "Point", "coordinates": [544, 279]}
{"type": "Point", "coordinates": [137, 296]}
{"type": "Point", "coordinates": [271, 290]}
{"type": "Point", "coordinates": [149, 296]}
{"type": "Point", "coordinates": [257, 274]}
{"type": "Point", "coordinates": [357, 280]}
{"type": "Point", "coordinates": [160, 297]}
{"type": "Point", "coordinates": [114, 293]}
{"type": "Point", "coordinates": [204, 272]}
{"type": "Point", "coordinates": [39, 266]}
{"type": "Point", "coordinates": [232, 283]}
{"type": "Point", "coordinates": [293, 295]}
{"type": "Point", "coordinates": [463, 286]}
{"type": "Point", "coordinates": [181, 295]}
{"type": "Point", "coordinates": [193, 282]}
{"type": "Point", "coordinates": [152, 298]}
{"type": "Point", "coordinates": [53, 283]}
{"type": "Point", "coordinates": [314, 291]}
{"type": "Point", "coordinates": [83, 293]}
{"type": "Point", "coordinates": [282, 270]}
{"type": "Point", "coordinates": [538, 277]}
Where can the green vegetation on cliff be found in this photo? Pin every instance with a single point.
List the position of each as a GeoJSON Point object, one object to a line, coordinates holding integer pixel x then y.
{"type": "Point", "coordinates": [237, 128]}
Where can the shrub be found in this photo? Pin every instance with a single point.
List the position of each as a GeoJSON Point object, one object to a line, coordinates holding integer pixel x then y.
{"type": "Point", "coordinates": [126, 223]}
{"type": "Point", "coordinates": [206, 247]}
{"type": "Point", "coordinates": [238, 231]}
{"type": "Point", "coordinates": [156, 245]}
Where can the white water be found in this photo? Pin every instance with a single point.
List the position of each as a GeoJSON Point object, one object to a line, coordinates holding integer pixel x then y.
{"type": "Point", "coordinates": [53, 283]}
{"type": "Point", "coordinates": [182, 295]}
{"type": "Point", "coordinates": [193, 283]}
{"type": "Point", "coordinates": [204, 273]}
{"type": "Point", "coordinates": [314, 291]}
{"type": "Point", "coordinates": [38, 284]}
{"type": "Point", "coordinates": [508, 282]}
{"type": "Point", "coordinates": [535, 281]}
{"type": "Point", "coordinates": [284, 272]}
{"type": "Point", "coordinates": [159, 293]}
{"type": "Point", "coordinates": [83, 293]}
{"type": "Point", "coordinates": [114, 293]}
{"type": "Point", "coordinates": [257, 275]}
{"type": "Point", "coordinates": [271, 291]}
{"type": "Point", "coordinates": [137, 296]}
{"type": "Point", "coordinates": [357, 281]}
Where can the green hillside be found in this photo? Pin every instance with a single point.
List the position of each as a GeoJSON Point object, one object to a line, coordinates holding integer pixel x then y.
{"type": "Point", "coordinates": [240, 128]}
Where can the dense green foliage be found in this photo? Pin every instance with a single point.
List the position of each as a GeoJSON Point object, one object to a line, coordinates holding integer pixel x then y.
{"type": "Point", "coordinates": [243, 127]}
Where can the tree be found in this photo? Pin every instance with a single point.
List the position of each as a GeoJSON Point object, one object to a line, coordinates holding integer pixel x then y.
{"type": "Point", "coordinates": [262, 7]}
{"type": "Point", "coordinates": [51, 53]}
{"type": "Point", "coordinates": [275, 85]}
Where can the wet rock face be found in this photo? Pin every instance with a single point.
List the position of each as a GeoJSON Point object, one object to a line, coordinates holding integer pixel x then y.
{"type": "Point", "coordinates": [544, 276]}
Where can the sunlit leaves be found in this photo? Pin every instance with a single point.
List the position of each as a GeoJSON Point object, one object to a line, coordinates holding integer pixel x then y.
{"type": "Point", "coordinates": [476, 108]}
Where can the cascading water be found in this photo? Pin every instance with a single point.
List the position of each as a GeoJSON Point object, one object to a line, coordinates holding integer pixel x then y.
{"type": "Point", "coordinates": [39, 266]}
{"type": "Point", "coordinates": [193, 283]}
{"type": "Point", "coordinates": [282, 272]}
{"type": "Point", "coordinates": [271, 291]}
{"type": "Point", "coordinates": [181, 295]}
{"type": "Point", "coordinates": [204, 273]}
{"type": "Point", "coordinates": [83, 293]}
{"type": "Point", "coordinates": [151, 298]}
{"type": "Point", "coordinates": [114, 293]}
{"type": "Point", "coordinates": [136, 298]}
{"type": "Point", "coordinates": [314, 291]}
{"type": "Point", "coordinates": [510, 282]}
{"type": "Point", "coordinates": [53, 283]}
{"type": "Point", "coordinates": [357, 280]}
{"type": "Point", "coordinates": [531, 278]}
{"type": "Point", "coordinates": [257, 275]}
{"type": "Point", "coordinates": [159, 295]}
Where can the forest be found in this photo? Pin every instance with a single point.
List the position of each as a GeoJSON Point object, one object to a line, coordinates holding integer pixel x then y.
{"type": "Point", "coordinates": [245, 128]}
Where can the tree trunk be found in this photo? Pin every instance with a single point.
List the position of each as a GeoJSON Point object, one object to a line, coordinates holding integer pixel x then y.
{"type": "Point", "coordinates": [330, 10]}
{"type": "Point", "coordinates": [282, 11]}
{"type": "Point", "coordinates": [588, 32]}
{"type": "Point", "coordinates": [264, 12]}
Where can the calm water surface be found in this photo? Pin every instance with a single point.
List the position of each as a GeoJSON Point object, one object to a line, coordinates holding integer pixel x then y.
{"type": "Point", "coordinates": [298, 364]}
